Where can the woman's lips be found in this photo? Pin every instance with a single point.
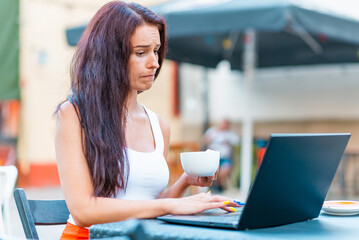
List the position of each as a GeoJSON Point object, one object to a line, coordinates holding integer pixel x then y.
{"type": "Point", "coordinates": [149, 76]}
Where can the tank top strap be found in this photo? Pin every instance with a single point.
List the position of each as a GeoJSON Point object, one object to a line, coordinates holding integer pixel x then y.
{"type": "Point", "coordinates": [72, 99]}
{"type": "Point", "coordinates": [156, 129]}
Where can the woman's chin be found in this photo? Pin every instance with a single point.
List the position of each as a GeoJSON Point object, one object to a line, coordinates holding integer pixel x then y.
{"type": "Point", "coordinates": [143, 87]}
{"type": "Point", "coordinates": [147, 87]}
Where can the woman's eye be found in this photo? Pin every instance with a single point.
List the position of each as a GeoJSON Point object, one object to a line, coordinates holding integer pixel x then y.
{"type": "Point", "coordinates": [156, 51]}
{"type": "Point", "coordinates": [140, 53]}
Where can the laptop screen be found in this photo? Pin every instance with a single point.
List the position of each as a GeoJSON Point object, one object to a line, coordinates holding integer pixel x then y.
{"type": "Point", "coordinates": [293, 179]}
{"type": "Point", "coordinates": [290, 186]}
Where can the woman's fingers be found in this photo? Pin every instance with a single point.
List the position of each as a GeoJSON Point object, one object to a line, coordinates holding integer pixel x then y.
{"type": "Point", "coordinates": [216, 174]}
{"type": "Point", "coordinates": [212, 205]}
{"type": "Point", "coordinates": [203, 201]}
{"type": "Point", "coordinates": [205, 182]}
{"type": "Point", "coordinates": [229, 201]}
{"type": "Point", "coordinates": [229, 209]}
{"type": "Point", "coordinates": [209, 181]}
{"type": "Point", "coordinates": [216, 198]}
{"type": "Point", "coordinates": [220, 205]}
{"type": "Point", "coordinates": [208, 197]}
{"type": "Point", "coordinates": [220, 198]}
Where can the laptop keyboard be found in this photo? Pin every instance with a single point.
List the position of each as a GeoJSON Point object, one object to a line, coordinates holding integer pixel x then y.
{"type": "Point", "coordinates": [221, 217]}
{"type": "Point", "coordinates": [209, 218]}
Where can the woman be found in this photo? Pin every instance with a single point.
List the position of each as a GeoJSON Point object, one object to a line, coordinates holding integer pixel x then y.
{"type": "Point", "coordinates": [111, 149]}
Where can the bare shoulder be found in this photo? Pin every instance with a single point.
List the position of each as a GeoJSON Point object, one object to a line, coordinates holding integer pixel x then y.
{"type": "Point", "coordinates": [68, 141]}
{"type": "Point", "coordinates": [66, 116]}
{"type": "Point", "coordinates": [66, 111]}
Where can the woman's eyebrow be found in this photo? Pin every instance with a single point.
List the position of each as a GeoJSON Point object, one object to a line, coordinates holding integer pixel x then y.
{"type": "Point", "coordinates": [146, 46]}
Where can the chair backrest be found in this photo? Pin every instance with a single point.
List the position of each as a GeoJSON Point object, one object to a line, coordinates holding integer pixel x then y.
{"type": "Point", "coordinates": [8, 176]}
{"type": "Point", "coordinates": [39, 212]}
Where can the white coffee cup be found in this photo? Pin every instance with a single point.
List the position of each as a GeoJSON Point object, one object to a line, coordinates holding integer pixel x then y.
{"type": "Point", "coordinates": [201, 164]}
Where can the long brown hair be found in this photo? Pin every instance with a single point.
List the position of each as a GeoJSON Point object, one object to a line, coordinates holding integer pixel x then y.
{"type": "Point", "coordinates": [100, 86]}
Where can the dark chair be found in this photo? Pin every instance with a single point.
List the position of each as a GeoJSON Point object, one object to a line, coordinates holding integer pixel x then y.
{"type": "Point", "coordinates": [39, 212]}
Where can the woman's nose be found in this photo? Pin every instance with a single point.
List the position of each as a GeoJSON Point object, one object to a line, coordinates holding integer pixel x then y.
{"type": "Point", "coordinates": [153, 61]}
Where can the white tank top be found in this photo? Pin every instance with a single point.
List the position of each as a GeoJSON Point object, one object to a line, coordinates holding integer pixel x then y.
{"type": "Point", "coordinates": [149, 172]}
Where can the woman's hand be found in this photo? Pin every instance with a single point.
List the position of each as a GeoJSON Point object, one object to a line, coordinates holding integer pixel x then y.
{"type": "Point", "coordinates": [198, 203]}
{"type": "Point", "coordinates": [180, 186]}
{"type": "Point", "coordinates": [200, 181]}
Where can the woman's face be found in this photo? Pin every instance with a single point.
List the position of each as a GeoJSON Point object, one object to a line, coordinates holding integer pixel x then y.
{"type": "Point", "coordinates": [143, 63]}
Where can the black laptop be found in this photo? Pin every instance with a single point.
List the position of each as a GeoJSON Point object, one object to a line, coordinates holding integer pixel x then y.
{"type": "Point", "coordinates": [290, 186]}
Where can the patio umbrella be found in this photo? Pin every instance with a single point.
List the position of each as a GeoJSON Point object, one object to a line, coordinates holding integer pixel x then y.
{"type": "Point", "coordinates": [206, 32]}
{"type": "Point", "coordinates": [250, 35]}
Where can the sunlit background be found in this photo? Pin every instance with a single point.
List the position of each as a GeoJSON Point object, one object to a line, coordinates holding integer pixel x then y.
{"type": "Point", "coordinates": [315, 98]}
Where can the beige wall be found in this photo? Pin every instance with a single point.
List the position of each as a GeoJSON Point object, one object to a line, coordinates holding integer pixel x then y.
{"type": "Point", "coordinates": [264, 129]}
{"type": "Point", "coordinates": [44, 60]}
{"type": "Point", "coordinates": [304, 99]}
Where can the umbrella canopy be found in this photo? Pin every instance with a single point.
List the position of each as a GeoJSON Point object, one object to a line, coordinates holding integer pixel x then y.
{"type": "Point", "coordinates": [207, 32]}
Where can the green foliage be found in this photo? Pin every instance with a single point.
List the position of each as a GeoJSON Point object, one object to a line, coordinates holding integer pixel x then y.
{"type": "Point", "coordinates": [9, 49]}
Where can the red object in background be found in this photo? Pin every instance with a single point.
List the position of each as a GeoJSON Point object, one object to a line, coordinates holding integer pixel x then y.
{"type": "Point", "coordinates": [246, 38]}
{"type": "Point", "coordinates": [10, 117]}
{"type": "Point", "coordinates": [39, 175]}
{"type": "Point", "coordinates": [260, 155]}
{"type": "Point", "coordinates": [322, 38]}
{"type": "Point", "coordinates": [7, 155]}
{"type": "Point", "coordinates": [175, 91]}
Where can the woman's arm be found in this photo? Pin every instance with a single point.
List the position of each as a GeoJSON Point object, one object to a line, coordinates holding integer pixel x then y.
{"type": "Point", "coordinates": [180, 186]}
{"type": "Point", "coordinates": [76, 183]}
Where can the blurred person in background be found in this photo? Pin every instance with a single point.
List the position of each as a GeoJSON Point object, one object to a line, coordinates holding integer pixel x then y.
{"type": "Point", "coordinates": [221, 138]}
{"type": "Point", "coordinates": [111, 150]}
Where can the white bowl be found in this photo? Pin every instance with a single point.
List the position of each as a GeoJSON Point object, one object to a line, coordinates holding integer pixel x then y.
{"type": "Point", "coordinates": [202, 164]}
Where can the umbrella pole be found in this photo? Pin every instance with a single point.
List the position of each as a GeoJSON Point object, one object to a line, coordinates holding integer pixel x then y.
{"type": "Point", "coordinates": [249, 63]}
{"type": "Point", "coordinates": [205, 100]}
